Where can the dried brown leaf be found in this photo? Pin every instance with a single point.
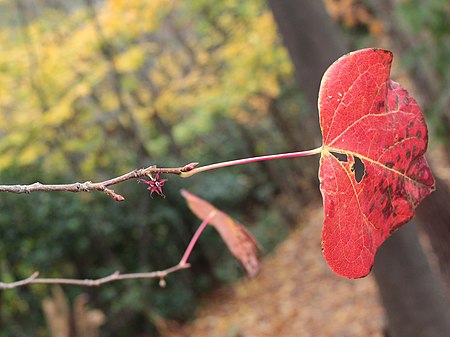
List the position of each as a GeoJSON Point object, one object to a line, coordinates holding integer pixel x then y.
{"type": "Point", "coordinates": [239, 241]}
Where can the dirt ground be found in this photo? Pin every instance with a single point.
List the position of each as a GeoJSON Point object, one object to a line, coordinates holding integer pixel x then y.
{"type": "Point", "coordinates": [295, 295]}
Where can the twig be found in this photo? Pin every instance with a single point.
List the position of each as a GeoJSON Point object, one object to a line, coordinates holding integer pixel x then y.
{"type": "Point", "coordinates": [197, 234]}
{"type": "Point", "coordinates": [184, 172]}
{"type": "Point", "coordinates": [99, 186]}
{"type": "Point", "coordinates": [116, 276]}
{"type": "Point", "coordinates": [243, 161]}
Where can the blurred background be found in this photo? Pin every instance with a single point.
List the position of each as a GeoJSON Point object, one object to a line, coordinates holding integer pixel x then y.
{"type": "Point", "coordinates": [92, 89]}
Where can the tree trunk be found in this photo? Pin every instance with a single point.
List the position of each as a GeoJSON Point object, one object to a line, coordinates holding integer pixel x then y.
{"type": "Point", "coordinates": [434, 217]}
{"type": "Point", "coordinates": [412, 296]}
{"type": "Point", "coordinates": [311, 40]}
{"type": "Point", "coordinates": [313, 44]}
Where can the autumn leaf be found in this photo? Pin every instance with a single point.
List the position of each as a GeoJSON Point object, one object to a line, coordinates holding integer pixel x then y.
{"type": "Point", "coordinates": [239, 241]}
{"type": "Point", "coordinates": [372, 170]}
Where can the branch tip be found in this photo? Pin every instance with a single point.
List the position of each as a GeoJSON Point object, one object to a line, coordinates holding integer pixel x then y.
{"type": "Point", "coordinates": [189, 167]}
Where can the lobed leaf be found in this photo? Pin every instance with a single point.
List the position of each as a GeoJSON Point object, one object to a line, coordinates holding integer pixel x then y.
{"type": "Point", "coordinates": [373, 172]}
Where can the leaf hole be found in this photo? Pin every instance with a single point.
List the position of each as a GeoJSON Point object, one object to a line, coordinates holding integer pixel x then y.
{"type": "Point", "coordinates": [340, 156]}
{"type": "Point", "coordinates": [359, 168]}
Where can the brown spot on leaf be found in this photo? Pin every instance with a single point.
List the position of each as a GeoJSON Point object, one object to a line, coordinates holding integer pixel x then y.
{"type": "Point", "coordinates": [388, 208]}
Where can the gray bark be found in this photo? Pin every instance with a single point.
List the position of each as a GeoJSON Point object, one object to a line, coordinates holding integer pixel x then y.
{"type": "Point", "coordinates": [311, 39]}
{"type": "Point", "coordinates": [413, 297]}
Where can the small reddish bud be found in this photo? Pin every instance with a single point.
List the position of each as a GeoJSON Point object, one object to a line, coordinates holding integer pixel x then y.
{"type": "Point", "coordinates": [189, 167]}
{"type": "Point", "coordinates": [119, 198]}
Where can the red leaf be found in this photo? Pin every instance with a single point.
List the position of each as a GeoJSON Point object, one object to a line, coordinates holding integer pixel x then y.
{"type": "Point", "coordinates": [239, 241]}
{"type": "Point", "coordinates": [372, 170]}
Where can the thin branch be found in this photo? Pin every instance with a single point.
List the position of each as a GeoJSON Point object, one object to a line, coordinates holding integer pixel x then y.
{"type": "Point", "coordinates": [243, 161]}
{"type": "Point", "coordinates": [184, 171]}
{"type": "Point", "coordinates": [116, 276]}
{"type": "Point", "coordinates": [99, 186]}
{"type": "Point", "coordinates": [197, 234]}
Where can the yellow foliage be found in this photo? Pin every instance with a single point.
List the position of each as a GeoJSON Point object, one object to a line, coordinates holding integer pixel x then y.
{"type": "Point", "coordinates": [31, 153]}
{"type": "Point", "coordinates": [131, 60]}
{"type": "Point", "coordinates": [159, 55]}
{"type": "Point", "coordinates": [133, 17]}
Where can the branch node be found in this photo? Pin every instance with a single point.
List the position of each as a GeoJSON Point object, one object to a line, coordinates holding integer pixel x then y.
{"type": "Point", "coordinates": [28, 188]}
{"type": "Point", "coordinates": [84, 187]}
{"type": "Point", "coordinates": [23, 282]}
{"type": "Point", "coordinates": [189, 167]}
{"type": "Point", "coordinates": [112, 194]}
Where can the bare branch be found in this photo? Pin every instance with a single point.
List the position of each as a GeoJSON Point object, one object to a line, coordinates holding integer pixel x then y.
{"type": "Point", "coordinates": [116, 276]}
{"type": "Point", "coordinates": [100, 186]}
